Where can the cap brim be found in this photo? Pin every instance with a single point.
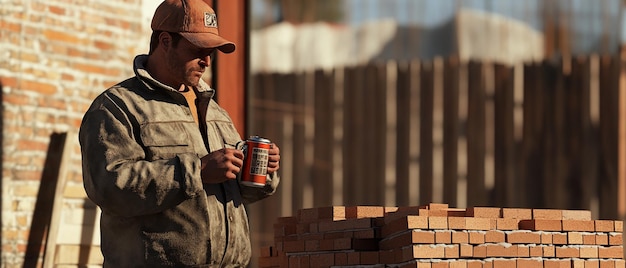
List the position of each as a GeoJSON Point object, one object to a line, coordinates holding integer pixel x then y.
{"type": "Point", "coordinates": [209, 40]}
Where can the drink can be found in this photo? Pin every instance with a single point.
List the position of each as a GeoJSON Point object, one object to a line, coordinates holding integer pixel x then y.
{"type": "Point", "coordinates": [256, 157]}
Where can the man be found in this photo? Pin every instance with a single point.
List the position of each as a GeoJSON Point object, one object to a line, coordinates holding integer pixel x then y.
{"type": "Point", "coordinates": [159, 157]}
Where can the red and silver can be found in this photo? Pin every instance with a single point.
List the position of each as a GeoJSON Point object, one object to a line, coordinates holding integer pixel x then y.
{"type": "Point", "coordinates": [256, 158]}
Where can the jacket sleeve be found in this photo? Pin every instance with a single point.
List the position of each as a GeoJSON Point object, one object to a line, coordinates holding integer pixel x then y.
{"type": "Point", "coordinates": [252, 194]}
{"type": "Point", "coordinates": [116, 175]}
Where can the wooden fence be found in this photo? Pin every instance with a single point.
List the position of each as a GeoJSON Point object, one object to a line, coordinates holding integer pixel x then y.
{"type": "Point", "coordinates": [537, 135]}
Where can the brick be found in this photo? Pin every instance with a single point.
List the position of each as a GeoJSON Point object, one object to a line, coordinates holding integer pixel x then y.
{"type": "Point", "coordinates": [548, 251]}
{"type": "Point", "coordinates": [583, 215]}
{"type": "Point", "coordinates": [436, 222]}
{"type": "Point", "coordinates": [589, 252]}
{"type": "Point", "coordinates": [547, 214]}
{"type": "Point", "coordinates": [266, 251]}
{"type": "Point", "coordinates": [529, 263]}
{"type": "Point", "coordinates": [574, 238]}
{"type": "Point", "coordinates": [484, 212]}
{"type": "Point", "coordinates": [322, 260]}
{"type": "Point", "coordinates": [615, 239]}
{"type": "Point", "coordinates": [460, 237]}
{"type": "Point", "coordinates": [559, 239]}
{"type": "Point", "coordinates": [403, 224]}
{"type": "Point", "coordinates": [423, 252]}
{"type": "Point", "coordinates": [387, 256]}
{"type": "Point", "coordinates": [589, 239]}
{"type": "Point", "coordinates": [523, 251]}
{"type": "Point", "coordinates": [438, 206]}
{"type": "Point", "coordinates": [540, 225]}
{"type": "Point", "coordinates": [546, 238]}
{"type": "Point", "coordinates": [619, 226]}
{"type": "Point", "coordinates": [466, 251]}
{"type": "Point", "coordinates": [517, 213]}
{"type": "Point", "coordinates": [607, 264]}
{"type": "Point", "coordinates": [458, 264]}
{"type": "Point", "coordinates": [507, 224]}
{"type": "Point", "coordinates": [592, 264]}
{"type": "Point", "coordinates": [494, 236]}
{"type": "Point", "coordinates": [321, 213]}
{"type": "Point", "coordinates": [456, 223]}
{"type": "Point", "coordinates": [535, 251]}
{"type": "Point", "coordinates": [342, 225]}
{"type": "Point", "coordinates": [476, 237]}
{"type": "Point", "coordinates": [620, 263]}
{"type": "Point", "coordinates": [354, 258]}
{"type": "Point", "coordinates": [567, 252]}
{"type": "Point", "coordinates": [474, 264]}
{"type": "Point", "coordinates": [293, 246]}
{"type": "Point", "coordinates": [356, 212]}
{"type": "Point", "coordinates": [557, 263]}
{"type": "Point", "coordinates": [503, 263]}
{"type": "Point", "coordinates": [443, 237]}
{"type": "Point", "coordinates": [501, 250]}
{"type": "Point", "coordinates": [578, 225]}
{"type": "Point", "coordinates": [479, 223]}
{"type": "Point", "coordinates": [604, 226]}
{"type": "Point", "coordinates": [452, 251]}
{"type": "Point", "coordinates": [369, 257]}
{"type": "Point", "coordinates": [611, 252]}
{"type": "Point", "coordinates": [523, 237]}
{"type": "Point", "coordinates": [480, 251]}
{"type": "Point", "coordinates": [602, 239]}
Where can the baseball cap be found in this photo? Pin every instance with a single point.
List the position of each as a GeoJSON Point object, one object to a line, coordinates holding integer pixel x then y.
{"type": "Point", "coordinates": [195, 20]}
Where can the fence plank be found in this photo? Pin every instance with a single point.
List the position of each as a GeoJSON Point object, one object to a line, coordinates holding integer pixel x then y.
{"type": "Point", "coordinates": [476, 151]}
{"type": "Point", "coordinates": [403, 135]}
{"type": "Point", "coordinates": [609, 109]}
{"type": "Point", "coordinates": [354, 172]}
{"type": "Point", "coordinates": [322, 156]}
{"type": "Point", "coordinates": [451, 131]}
{"type": "Point", "coordinates": [505, 192]}
{"type": "Point", "coordinates": [426, 133]}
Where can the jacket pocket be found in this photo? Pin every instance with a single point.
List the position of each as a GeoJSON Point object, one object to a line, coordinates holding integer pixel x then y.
{"type": "Point", "coordinates": [164, 140]}
{"type": "Point", "coordinates": [230, 136]}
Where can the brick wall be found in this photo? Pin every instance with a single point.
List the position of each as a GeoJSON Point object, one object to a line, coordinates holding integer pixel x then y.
{"type": "Point", "coordinates": [436, 236]}
{"type": "Point", "coordinates": [57, 55]}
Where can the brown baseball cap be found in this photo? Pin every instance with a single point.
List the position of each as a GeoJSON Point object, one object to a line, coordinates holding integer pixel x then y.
{"type": "Point", "coordinates": [193, 19]}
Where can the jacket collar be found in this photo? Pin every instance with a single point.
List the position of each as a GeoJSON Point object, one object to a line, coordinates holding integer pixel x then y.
{"type": "Point", "coordinates": [140, 71]}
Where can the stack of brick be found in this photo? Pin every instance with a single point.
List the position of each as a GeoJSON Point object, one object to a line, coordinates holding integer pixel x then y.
{"type": "Point", "coordinates": [436, 236]}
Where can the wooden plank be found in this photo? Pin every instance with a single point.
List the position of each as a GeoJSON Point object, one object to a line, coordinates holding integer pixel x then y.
{"type": "Point", "coordinates": [80, 255]}
{"type": "Point", "coordinates": [68, 141]}
{"type": "Point", "coordinates": [505, 189]}
{"type": "Point", "coordinates": [353, 125]}
{"type": "Point", "coordinates": [476, 150]}
{"type": "Point", "coordinates": [426, 133]}
{"type": "Point", "coordinates": [451, 131]}
{"type": "Point", "coordinates": [531, 166]}
{"type": "Point", "coordinates": [403, 135]}
{"type": "Point", "coordinates": [322, 154]}
{"type": "Point", "coordinates": [609, 127]}
{"type": "Point", "coordinates": [389, 143]}
{"type": "Point", "coordinates": [46, 214]}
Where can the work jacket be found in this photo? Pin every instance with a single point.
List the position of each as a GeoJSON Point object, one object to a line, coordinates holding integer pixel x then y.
{"type": "Point", "coordinates": [141, 150]}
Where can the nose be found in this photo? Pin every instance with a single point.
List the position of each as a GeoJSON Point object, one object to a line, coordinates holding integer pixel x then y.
{"type": "Point", "coordinates": [205, 61]}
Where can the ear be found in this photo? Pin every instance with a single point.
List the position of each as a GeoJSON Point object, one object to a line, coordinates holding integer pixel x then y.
{"type": "Point", "coordinates": [165, 39]}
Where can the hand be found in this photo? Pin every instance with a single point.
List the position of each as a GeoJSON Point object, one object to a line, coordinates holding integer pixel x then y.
{"type": "Point", "coordinates": [221, 165]}
{"type": "Point", "coordinates": [273, 163]}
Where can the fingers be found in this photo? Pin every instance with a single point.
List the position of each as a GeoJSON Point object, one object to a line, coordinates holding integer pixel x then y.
{"type": "Point", "coordinates": [273, 163]}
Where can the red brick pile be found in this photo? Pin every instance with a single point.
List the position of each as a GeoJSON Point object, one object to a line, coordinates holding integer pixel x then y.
{"type": "Point", "coordinates": [436, 236]}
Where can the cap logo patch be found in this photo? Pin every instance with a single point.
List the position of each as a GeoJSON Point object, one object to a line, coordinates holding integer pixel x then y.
{"type": "Point", "coordinates": [210, 20]}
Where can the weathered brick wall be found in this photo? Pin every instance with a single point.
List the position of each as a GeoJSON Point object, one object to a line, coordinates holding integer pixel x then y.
{"type": "Point", "coordinates": [436, 236]}
{"type": "Point", "coordinates": [57, 55]}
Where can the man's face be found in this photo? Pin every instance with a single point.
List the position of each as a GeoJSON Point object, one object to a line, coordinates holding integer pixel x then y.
{"type": "Point", "coordinates": [187, 63]}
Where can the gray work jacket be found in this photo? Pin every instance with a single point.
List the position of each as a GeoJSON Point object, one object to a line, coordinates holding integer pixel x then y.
{"type": "Point", "coordinates": [141, 150]}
